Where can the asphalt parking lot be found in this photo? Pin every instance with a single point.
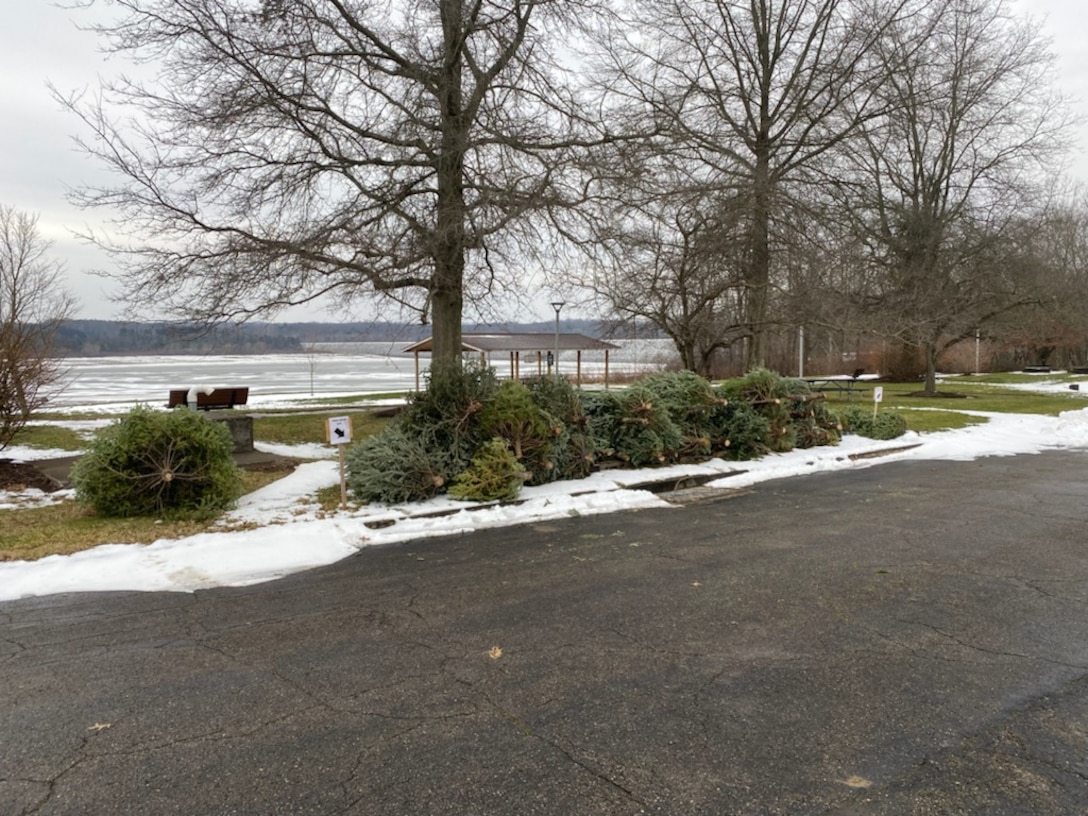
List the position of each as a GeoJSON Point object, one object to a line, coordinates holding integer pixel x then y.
{"type": "Point", "coordinates": [907, 639]}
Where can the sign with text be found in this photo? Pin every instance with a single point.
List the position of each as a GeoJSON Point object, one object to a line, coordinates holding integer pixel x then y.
{"type": "Point", "coordinates": [338, 430]}
{"type": "Point", "coordinates": [878, 394]}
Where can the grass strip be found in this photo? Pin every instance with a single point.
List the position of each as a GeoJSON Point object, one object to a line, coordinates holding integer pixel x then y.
{"type": "Point", "coordinates": [67, 527]}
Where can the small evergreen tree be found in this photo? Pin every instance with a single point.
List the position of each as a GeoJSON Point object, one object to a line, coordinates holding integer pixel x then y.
{"type": "Point", "coordinates": [494, 475]}
{"type": "Point", "coordinates": [533, 436]}
{"type": "Point", "coordinates": [816, 423]}
{"type": "Point", "coordinates": [690, 401]}
{"type": "Point", "coordinates": [885, 425]}
{"type": "Point", "coordinates": [739, 431]}
{"type": "Point", "coordinates": [575, 449]}
{"type": "Point", "coordinates": [772, 397]}
{"type": "Point", "coordinates": [169, 464]}
{"type": "Point", "coordinates": [394, 467]}
{"type": "Point", "coordinates": [633, 427]}
{"type": "Point", "coordinates": [447, 413]}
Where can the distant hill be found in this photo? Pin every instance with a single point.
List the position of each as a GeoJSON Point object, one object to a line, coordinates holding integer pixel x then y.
{"type": "Point", "coordinates": [93, 338]}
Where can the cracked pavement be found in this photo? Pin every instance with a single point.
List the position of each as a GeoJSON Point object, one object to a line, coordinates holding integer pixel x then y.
{"type": "Point", "coordinates": [907, 639]}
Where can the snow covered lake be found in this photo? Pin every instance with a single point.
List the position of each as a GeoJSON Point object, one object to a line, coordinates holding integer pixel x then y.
{"type": "Point", "coordinates": [330, 369]}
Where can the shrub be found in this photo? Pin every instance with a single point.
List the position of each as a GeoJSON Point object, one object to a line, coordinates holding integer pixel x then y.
{"type": "Point", "coordinates": [494, 475]}
{"type": "Point", "coordinates": [393, 466]}
{"type": "Point", "coordinates": [175, 464]}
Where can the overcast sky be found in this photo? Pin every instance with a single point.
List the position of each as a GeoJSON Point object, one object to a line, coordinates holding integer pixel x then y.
{"type": "Point", "coordinates": [39, 43]}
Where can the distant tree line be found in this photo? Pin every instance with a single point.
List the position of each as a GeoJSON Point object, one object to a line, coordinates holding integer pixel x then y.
{"type": "Point", "coordinates": [89, 338]}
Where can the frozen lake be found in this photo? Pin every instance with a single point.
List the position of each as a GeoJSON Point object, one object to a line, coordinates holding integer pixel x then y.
{"type": "Point", "coordinates": [330, 369]}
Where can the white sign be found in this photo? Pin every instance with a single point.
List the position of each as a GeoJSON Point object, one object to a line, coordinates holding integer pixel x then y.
{"type": "Point", "coordinates": [338, 430]}
{"type": "Point", "coordinates": [878, 394]}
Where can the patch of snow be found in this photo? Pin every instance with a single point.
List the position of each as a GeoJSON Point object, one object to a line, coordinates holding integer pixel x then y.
{"type": "Point", "coordinates": [281, 528]}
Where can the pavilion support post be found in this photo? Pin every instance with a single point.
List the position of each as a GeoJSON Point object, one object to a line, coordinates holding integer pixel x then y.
{"type": "Point", "coordinates": [606, 369]}
{"type": "Point", "coordinates": [539, 364]}
{"type": "Point", "coordinates": [578, 370]}
{"type": "Point", "coordinates": [417, 370]}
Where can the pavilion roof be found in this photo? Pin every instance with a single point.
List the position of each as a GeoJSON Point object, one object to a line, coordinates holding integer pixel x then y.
{"type": "Point", "coordinates": [520, 341]}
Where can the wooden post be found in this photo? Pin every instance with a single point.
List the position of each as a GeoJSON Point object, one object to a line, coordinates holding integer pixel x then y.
{"type": "Point", "coordinates": [343, 481]}
{"type": "Point", "coordinates": [338, 432]}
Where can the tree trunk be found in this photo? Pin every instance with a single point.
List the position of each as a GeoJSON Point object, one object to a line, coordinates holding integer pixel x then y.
{"type": "Point", "coordinates": [931, 367]}
{"type": "Point", "coordinates": [759, 259]}
{"type": "Point", "coordinates": [447, 287]}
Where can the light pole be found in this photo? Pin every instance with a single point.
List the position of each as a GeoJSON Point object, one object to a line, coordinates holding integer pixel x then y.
{"type": "Point", "coordinates": [557, 305]}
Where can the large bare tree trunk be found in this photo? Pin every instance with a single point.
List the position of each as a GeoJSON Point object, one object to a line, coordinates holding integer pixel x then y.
{"type": "Point", "coordinates": [759, 268]}
{"type": "Point", "coordinates": [931, 368]}
{"type": "Point", "coordinates": [447, 288]}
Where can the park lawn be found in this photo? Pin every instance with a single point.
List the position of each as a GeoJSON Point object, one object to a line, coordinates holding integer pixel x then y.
{"type": "Point", "coordinates": [960, 395]}
{"type": "Point", "coordinates": [66, 527]}
{"type": "Point", "coordinates": [299, 429]}
{"type": "Point", "coordinates": [52, 437]}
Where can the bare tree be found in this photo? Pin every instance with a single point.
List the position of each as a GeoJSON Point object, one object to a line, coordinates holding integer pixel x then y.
{"type": "Point", "coordinates": [33, 303]}
{"type": "Point", "coordinates": [674, 257]}
{"type": "Point", "coordinates": [957, 160]}
{"type": "Point", "coordinates": [1053, 329]}
{"type": "Point", "coordinates": [749, 97]}
{"type": "Point", "coordinates": [286, 151]}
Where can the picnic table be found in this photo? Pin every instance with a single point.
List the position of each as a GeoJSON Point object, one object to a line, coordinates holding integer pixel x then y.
{"type": "Point", "coordinates": [838, 383]}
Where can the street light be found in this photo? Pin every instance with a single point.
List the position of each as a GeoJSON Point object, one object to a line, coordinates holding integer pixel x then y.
{"type": "Point", "coordinates": [557, 305]}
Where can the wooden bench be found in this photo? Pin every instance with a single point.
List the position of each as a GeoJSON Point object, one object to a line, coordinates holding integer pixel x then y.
{"type": "Point", "coordinates": [219, 398]}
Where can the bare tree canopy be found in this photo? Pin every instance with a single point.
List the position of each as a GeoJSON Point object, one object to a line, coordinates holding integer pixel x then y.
{"type": "Point", "coordinates": [946, 178]}
{"type": "Point", "coordinates": [286, 151]}
{"type": "Point", "coordinates": [33, 303]}
{"type": "Point", "coordinates": [748, 98]}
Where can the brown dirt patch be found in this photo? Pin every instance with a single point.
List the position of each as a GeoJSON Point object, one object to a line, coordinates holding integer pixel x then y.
{"type": "Point", "coordinates": [17, 476]}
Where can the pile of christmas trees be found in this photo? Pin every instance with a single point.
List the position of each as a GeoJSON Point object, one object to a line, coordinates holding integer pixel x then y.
{"type": "Point", "coordinates": [479, 439]}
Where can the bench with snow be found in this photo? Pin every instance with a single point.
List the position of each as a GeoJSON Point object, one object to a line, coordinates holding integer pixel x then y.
{"type": "Point", "coordinates": [214, 400]}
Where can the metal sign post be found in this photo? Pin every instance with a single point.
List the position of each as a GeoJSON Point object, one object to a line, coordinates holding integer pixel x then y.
{"type": "Point", "coordinates": [338, 432]}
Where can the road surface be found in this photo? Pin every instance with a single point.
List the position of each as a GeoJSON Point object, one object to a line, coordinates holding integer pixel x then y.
{"type": "Point", "coordinates": [907, 639]}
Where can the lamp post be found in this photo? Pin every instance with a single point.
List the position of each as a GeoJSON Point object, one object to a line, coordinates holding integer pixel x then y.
{"type": "Point", "coordinates": [557, 305]}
